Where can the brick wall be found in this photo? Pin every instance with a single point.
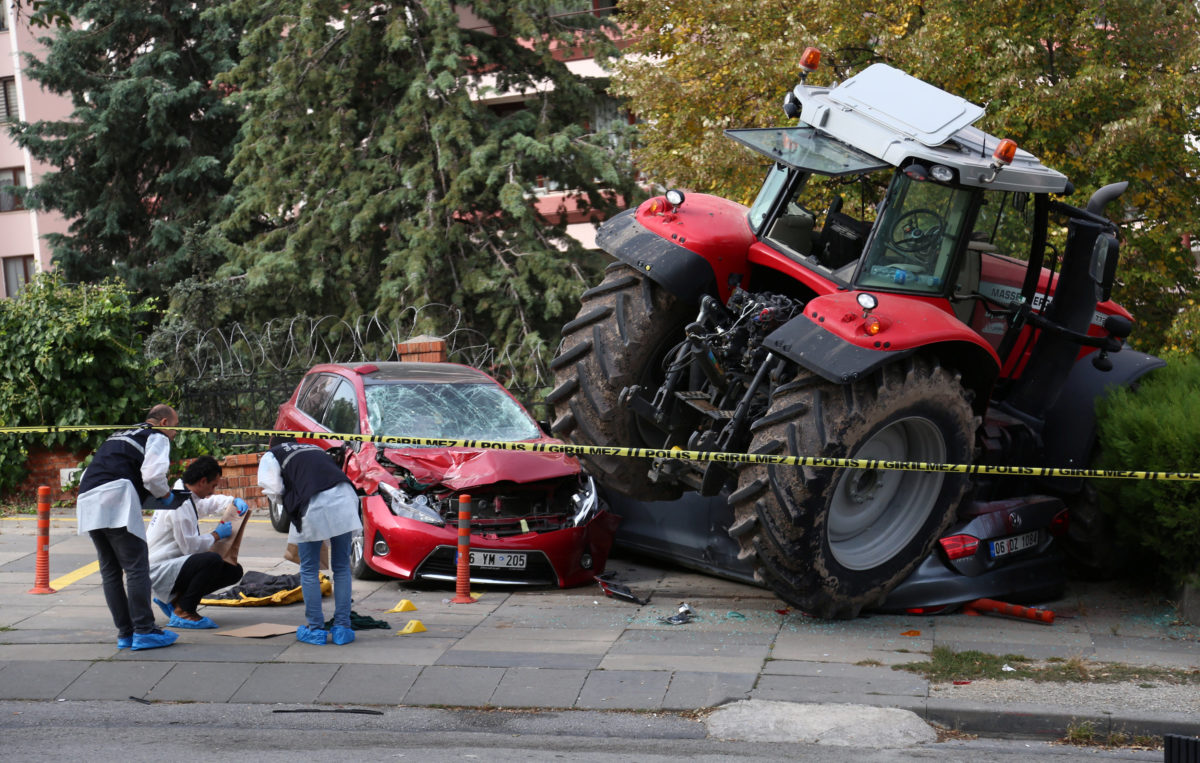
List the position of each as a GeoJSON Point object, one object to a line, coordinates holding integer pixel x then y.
{"type": "Point", "coordinates": [45, 468]}
{"type": "Point", "coordinates": [240, 479]}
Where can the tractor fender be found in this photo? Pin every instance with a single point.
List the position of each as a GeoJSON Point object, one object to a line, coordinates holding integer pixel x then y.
{"type": "Point", "coordinates": [699, 248]}
{"type": "Point", "coordinates": [683, 273]}
{"type": "Point", "coordinates": [831, 340]}
{"type": "Point", "coordinates": [1070, 430]}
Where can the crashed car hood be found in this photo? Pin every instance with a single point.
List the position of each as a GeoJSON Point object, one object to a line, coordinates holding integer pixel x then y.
{"type": "Point", "coordinates": [461, 468]}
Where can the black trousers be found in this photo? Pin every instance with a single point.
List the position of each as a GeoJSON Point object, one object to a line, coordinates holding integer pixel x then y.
{"type": "Point", "coordinates": [125, 578]}
{"type": "Point", "coordinates": [200, 575]}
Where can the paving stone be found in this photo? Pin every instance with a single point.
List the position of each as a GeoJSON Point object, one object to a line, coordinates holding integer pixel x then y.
{"type": "Point", "coordinates": [370, 684]}
{"type": "Point", "coordinates": [38, 679]}
{"type": "Point", "coordinates": [199, 681]}
{"type": "Point", "coordinates": [624, 689]}
{"type": "Point", "coordinates": [690, 690]}
{"type": "Point", "coordinates": [539, 687]}
{"type": "Point", "coordinates": [498, 659]}
{"type": "Point", "coordinates": [117, 680]}
{"type": "Point", "coordinates": [857, 678]}
{"type": "Point", "coordinates": [454, 686]}
{"type": "Point", "coordinates": [276, 682]}
{"type": "Point", "coordinates": [393, 650]}
{"type": "Point", "coordinates": [61, 652]}
{"type": "Point", "coordinates": [848, 648]}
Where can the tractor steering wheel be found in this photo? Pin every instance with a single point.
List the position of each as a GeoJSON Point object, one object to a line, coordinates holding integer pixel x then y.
{"type": "Point", "coordinates": [915, 235]}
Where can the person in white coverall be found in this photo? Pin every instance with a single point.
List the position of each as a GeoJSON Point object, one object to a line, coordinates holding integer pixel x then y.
{"type": "Point", "coordinates": [127, 469]}
{"type": "Point", "coordinates": [183, 569]}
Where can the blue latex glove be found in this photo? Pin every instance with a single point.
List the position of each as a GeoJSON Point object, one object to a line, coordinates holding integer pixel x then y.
{"type": "Point", "coordinates": [241, 506]}
{"type": "Point", "coordinates": [167, 499]}
{"type": "Point", "coordinates": [224, 530]}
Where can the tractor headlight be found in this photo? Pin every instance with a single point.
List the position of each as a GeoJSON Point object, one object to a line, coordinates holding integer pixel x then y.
{"type": "Point", "coordinates": [411, 507]}
{"type": "Point", "coordinates": [586, 502]}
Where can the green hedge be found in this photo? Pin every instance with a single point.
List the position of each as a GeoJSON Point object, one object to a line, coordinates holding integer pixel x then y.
{"type": "Point", "coordinates": [69, 355]}
{"type": "Point", "coordinates": [1155, 427]}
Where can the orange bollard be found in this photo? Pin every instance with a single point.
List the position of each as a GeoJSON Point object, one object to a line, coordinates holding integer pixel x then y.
{"type": "Point", "coordinates": [41, 567]}
{"type": "Point", "coordinates": [979, 606]}
{"type": "Point", "coordinates": [462, 581]}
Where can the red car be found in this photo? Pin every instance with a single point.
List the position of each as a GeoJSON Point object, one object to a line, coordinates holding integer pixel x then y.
{"type": "Point", "coordinates": [536, 517]}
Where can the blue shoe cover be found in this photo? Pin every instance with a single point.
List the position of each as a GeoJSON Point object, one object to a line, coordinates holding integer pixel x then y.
{"type": "Point", "coordinates": [124, 642]}
{"type": "Point", "coordinates": [308, 635]}
{"type": "Point", "coordinates": [342, 635]}
{"type": "Point", "coordinates": [153, 640]}
{"type": "Point", "coordinates": [183, 622]}
{"type": "Point", "coordinates": [167, 609]}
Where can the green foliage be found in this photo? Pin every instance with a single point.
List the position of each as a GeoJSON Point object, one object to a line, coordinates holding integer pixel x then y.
{"type": "Point", "coordinates": [1101, 91]}
{"type": "Point", "coordinates": [69, 355]}
{"type": "Point", "coordinates": [1154, 428]}
{"type": "Point", "coordinates": [140, 162]}
{"type": "Point", "coordinates": [370, 178]}
{"type": "Point", "coordinates": [1183, 337]}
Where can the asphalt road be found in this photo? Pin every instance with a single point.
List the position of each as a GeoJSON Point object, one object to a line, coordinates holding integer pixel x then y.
{"type": "Point", "coordinates": [128, 731]}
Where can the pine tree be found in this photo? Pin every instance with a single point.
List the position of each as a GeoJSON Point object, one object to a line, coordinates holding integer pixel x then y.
{"type": "Point", "coordinates": [370, 176]}
{"type": "Point", "coordinates": [140, 163]}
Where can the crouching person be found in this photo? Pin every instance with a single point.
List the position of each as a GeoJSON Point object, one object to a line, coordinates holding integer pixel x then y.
{"type": "Point", "coordinates": [183, 569]}
{"type": "Point", "coordinates": [321, 505]}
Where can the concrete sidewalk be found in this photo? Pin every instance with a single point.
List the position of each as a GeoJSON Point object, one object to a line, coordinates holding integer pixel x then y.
{"type": "Point", "coordinates": [578, 649]}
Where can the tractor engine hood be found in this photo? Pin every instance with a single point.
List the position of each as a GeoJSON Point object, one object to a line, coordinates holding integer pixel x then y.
{"type": "Point", "coordinates": [464, 468]}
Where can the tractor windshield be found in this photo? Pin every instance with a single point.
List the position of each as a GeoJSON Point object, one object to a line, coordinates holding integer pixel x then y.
{"type": "Point", "coordinates": [915, 240]}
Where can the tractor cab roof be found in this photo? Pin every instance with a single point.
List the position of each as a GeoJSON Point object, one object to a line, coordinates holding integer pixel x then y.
{"type": "Point", "coordinates": [895, 117]}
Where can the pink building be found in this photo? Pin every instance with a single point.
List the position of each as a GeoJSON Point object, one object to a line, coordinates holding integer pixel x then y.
{"type": "Point", "coordinates": [23, 250]}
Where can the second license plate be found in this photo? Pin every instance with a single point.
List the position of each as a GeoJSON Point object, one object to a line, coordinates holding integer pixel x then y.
{"type": "Point", "coordinates": [498, 560]}
{"type": "Point", "coordinates": [1013, 543]}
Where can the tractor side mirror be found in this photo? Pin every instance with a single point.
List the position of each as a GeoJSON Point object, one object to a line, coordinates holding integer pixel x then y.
{"type": "Point", "coordinates": [1105, 255]}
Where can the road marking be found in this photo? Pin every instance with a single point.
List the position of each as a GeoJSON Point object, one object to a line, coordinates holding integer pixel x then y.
{"type": "Point", "coordinates": [71, 577]}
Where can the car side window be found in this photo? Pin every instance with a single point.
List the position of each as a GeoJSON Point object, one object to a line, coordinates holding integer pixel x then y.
{"type": "Point", "coordinates": [342, 414]}
{"type": "Point", "coordinates": [316, 397]}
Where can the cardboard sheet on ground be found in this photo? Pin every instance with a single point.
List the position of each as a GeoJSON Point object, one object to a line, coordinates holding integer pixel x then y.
{"type": "Point", "coordinates": [228, 547]}
{"type": "Point", "coordinates": [262, 630]}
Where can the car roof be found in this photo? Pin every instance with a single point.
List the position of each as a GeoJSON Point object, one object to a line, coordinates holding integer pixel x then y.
{"type": "Point", "coordinates": [385, 372]}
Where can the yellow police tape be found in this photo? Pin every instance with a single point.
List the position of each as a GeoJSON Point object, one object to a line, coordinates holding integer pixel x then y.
{"type": "Point", "coordinates": [685, 455]}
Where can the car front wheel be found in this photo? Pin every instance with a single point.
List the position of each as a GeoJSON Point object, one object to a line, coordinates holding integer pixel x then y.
{"type": "Point", "coordinates": [358, 560]}
{"type": "Point", "coordinates": [279, 519]}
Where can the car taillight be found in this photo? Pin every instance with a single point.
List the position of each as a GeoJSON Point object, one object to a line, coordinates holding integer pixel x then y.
{"type": "Point", "coordinates": [1060, 524]}
{"type": "Point", "coordinates": [959, 546]}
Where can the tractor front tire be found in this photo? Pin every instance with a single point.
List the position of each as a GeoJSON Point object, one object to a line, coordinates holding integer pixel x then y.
{"type": "Point", "coordinates": [833, 541]}
{"type": "Point", "coordinates": [625, 327]}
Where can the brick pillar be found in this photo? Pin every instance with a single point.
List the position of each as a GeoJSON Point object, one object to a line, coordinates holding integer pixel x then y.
{"type": "Point", "coordinates": [429, 349]}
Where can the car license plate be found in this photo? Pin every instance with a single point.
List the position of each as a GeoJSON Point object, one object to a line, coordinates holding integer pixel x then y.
{"type": "Point", "coordinates": [496, 560]}
{"type": "Point", "coordinates": [1013, 543]}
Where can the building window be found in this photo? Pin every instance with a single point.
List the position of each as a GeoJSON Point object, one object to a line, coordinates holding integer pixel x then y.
{"type": "Point", "coordinates": [8, 99]}
{"type": "Point", "coordinates": [10, 179]}
{"type": "Point", "coordinates": [17, 272]}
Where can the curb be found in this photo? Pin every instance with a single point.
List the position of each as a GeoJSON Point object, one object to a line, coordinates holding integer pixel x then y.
{"type": "Point", "coordinates": [1052, 721]}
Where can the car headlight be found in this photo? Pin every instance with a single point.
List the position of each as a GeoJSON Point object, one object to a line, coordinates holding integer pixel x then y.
{"type": "Point", "coordinates": [411, 507]}
{"type": "Point", "coordinates": [586, 502]}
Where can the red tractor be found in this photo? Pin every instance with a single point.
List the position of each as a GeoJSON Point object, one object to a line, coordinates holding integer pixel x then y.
{"type": "Point", "coordinates": [958, 314]}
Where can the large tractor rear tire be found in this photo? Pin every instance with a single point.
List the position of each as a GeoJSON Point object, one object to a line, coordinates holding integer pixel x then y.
{"type": "Point", "coordinates": [624, 330]}
{"type": "Point", "coordinates": [834, 541]}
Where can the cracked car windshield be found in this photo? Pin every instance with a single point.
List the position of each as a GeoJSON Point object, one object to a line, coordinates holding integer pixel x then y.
{"type": "Point", "coordinates": [447, 411]}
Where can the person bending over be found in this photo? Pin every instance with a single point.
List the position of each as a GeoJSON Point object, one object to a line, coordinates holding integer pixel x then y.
{"type": "Point", "coordinates": [320, 504]}
{"type": "Point", "coordinates": [129, 467]}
